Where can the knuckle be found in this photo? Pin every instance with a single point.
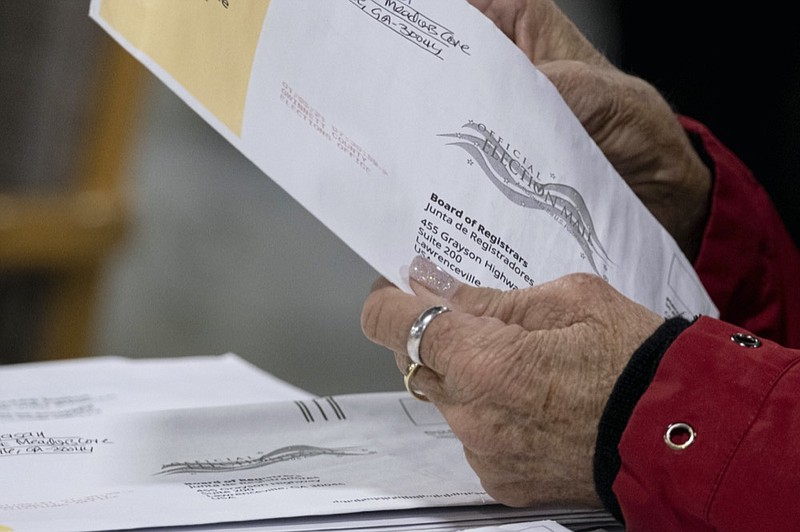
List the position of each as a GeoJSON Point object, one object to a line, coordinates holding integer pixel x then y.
{"type": "Point", "coordinates": [582, 279]}
{"type": "Point", "coordinates": [586, 288]}
{"type": "Point", "coordinates": [368, 320]}
{"type": "Point", "coordinates": [373, 315]}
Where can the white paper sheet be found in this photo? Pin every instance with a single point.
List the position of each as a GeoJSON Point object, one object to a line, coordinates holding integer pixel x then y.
{"type": "Point", "coordinates": [524, 527]}
{"type": "Point", "coordinates": [314, 457]}
{"type": "Point", "coordinates": [452, 519]}
{"type": "Point", "coordinates": [411, 127]}
{"type": "Point", "coordinates": [442, 519]}
{"type": "Point", "coordinates": [105, 385]}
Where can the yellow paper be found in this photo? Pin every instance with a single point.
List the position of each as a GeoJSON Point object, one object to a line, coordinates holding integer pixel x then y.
{"type": "Point", "coordinates": [206, 45]}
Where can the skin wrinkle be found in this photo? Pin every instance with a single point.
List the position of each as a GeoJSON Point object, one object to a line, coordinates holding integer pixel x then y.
{"type": "Point", "coordinates": [548, 314]}
{"type": "Point", "coordinates": [548, 398]}
{"type": "Point", "coordinates": [522, 376]}
{"type": "Point", "coordinates": [557, 416]}
{"type": "Point", "coordinates": [525, 363]}
{"type": "Point", "coordinates": [512, 479]}
{"type": "Point", "coordinates": [521, 21]}
{"type": "Point", "coordinates": [485, 340]}
{"type": "Point", "coordinates": [665, 165]}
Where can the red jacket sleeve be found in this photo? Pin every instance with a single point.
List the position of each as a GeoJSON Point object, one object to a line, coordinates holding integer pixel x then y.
{"type": "Point", "coordinates": [747, 260]}
{"type": "Point", "coordinates": [742, 404]}
{"type": "Point", "coordinates": [742, 471]}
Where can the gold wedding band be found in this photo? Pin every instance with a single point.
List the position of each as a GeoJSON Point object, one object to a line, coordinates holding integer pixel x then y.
{"type": "Point", "coordinates": [410, 372]}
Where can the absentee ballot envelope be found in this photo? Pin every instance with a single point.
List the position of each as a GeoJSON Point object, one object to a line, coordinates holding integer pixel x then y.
{"type": "Point", "coordinates": [411, 128]}
{"type": "Point", "coordinates": [327, 456]}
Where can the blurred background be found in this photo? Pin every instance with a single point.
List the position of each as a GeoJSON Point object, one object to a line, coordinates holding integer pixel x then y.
{"type": "Point", "coordinates": [129, 227]}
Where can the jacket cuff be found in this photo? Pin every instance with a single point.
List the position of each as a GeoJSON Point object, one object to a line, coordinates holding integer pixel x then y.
{"type": "Point", "coordinates": [629, 388]}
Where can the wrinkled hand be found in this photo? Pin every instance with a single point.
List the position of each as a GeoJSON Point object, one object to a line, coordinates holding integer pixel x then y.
{"type": "Point", "coordinates": [628, 118]}
{"type": "Point", "coordinates": [520, 376]}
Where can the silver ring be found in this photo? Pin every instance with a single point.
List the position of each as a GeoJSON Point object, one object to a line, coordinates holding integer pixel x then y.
{"type": "Point", "coordinates": [418, 329]}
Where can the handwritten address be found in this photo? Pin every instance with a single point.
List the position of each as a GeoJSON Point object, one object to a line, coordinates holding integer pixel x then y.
{"type": "Point", "coordinates": [22, 443]}
{"type": "Point", "coordinates": [412, 25]}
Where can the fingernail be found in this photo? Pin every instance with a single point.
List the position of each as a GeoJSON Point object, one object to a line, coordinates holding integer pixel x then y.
{"type": "Point", "coordinates": [432, 277]}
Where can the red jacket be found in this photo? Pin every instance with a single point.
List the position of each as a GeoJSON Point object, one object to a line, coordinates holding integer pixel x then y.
{"type": "Point", "coordinates": [741, 403]}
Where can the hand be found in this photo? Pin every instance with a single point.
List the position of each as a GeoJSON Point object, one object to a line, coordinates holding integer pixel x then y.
{"type": "Point", "coordinates": [521, 376]}
{"type": "Point", "coordinates": [627, 117]}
